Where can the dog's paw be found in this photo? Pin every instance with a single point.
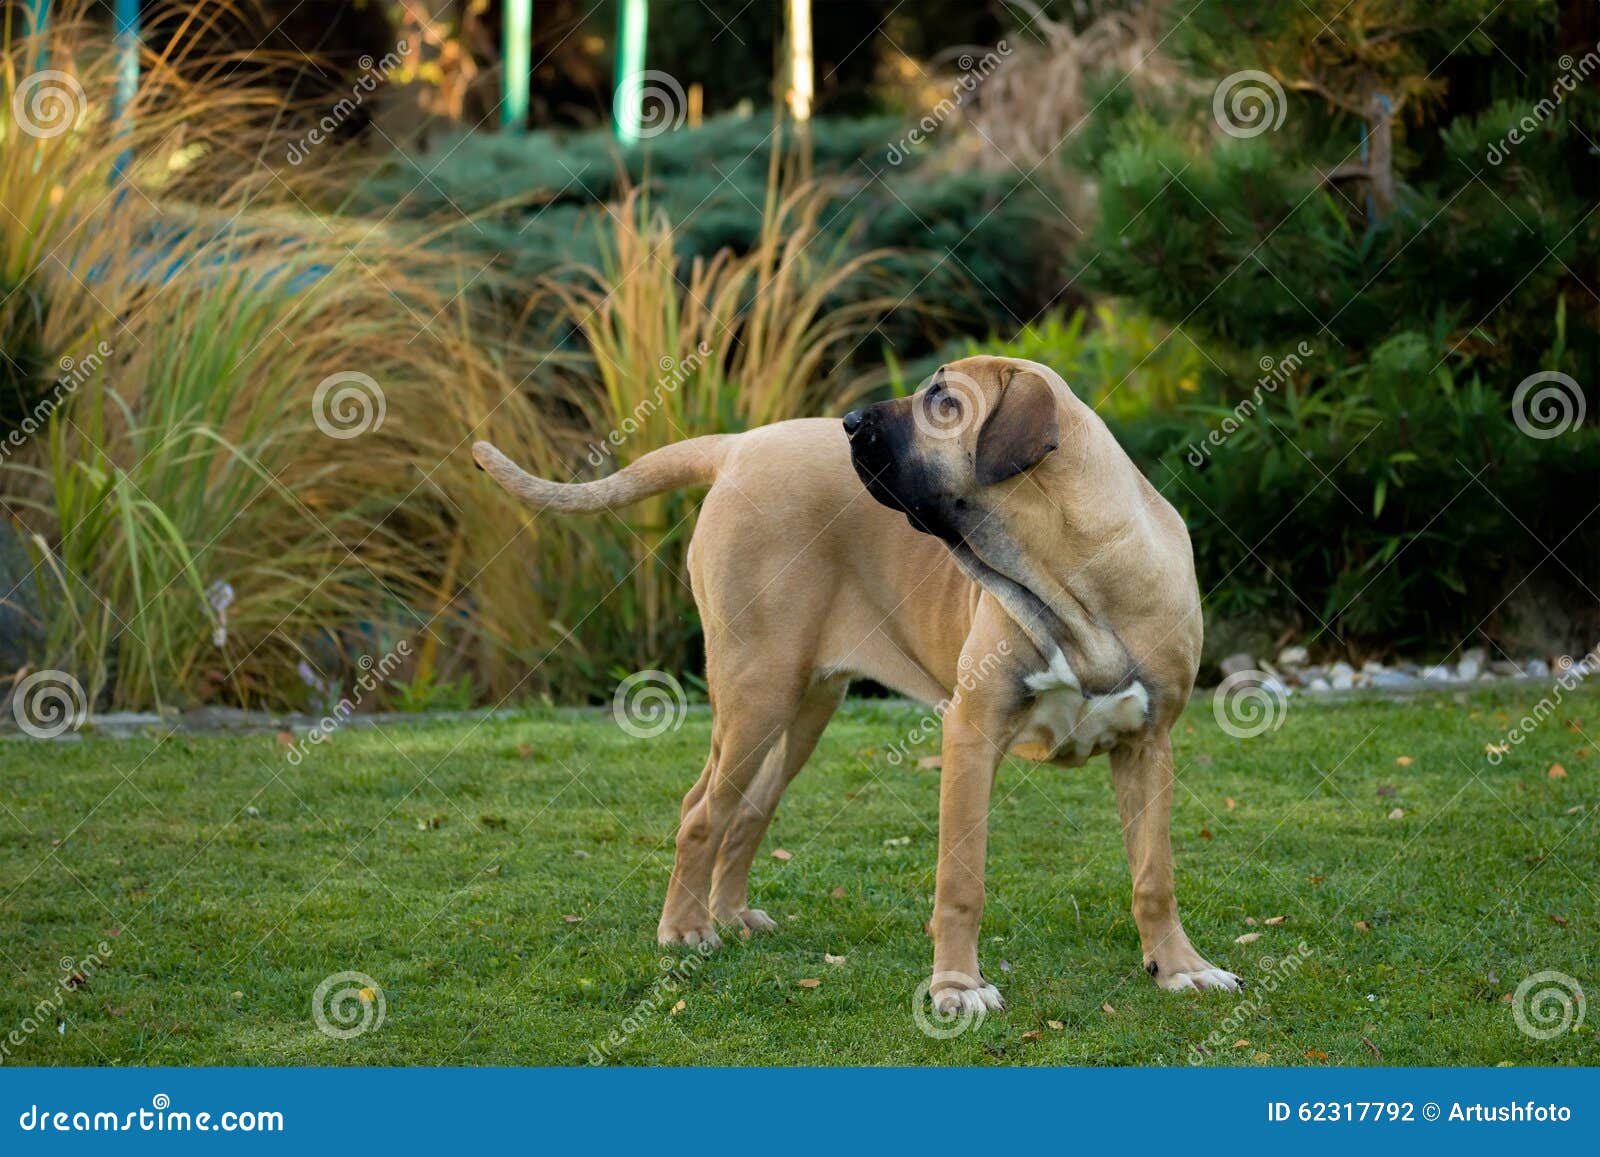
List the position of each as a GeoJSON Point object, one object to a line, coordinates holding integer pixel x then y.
{"type": "Point", "coordinates": [756, 920]}
{"type": "Point", "coordinates": [669, 934]}
{"type": "Point", "coordinates": [1196, 976]}
{"type": "Point", "coordinates": [956, 993]}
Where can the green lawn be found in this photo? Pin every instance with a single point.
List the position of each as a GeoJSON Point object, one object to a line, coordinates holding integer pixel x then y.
{"type": "Point", "coordinates": [500, 883]}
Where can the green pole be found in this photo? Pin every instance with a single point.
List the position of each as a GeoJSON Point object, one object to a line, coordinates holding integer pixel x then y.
{"type": "Point", "coordinates": [633, 18]}
{"type": "Point", "coordinates": [516, 55]}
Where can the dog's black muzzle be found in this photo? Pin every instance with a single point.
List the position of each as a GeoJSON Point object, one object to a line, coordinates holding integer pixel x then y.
{"type": "Point", "coordinates": [880, 441]}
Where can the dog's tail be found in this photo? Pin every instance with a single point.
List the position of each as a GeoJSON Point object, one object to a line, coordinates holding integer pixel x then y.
{"type": "Point", "coordinates": [693, 462]}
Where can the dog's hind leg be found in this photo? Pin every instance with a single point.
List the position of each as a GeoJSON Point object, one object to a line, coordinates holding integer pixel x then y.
{"type": "Point", "coordinates": [730, 880]}
{"type": "Point", "coordinates": [1141, 772]}
{"type": "Point", "coordinates": [741, 740]}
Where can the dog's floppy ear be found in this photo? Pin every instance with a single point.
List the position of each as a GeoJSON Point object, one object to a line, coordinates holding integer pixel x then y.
{"type": "Point", "coordinates": [1021, 431]}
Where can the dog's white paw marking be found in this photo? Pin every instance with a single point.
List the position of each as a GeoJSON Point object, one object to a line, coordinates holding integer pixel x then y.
{"type": "Point", "coordinates": [953, 1001]}
{"type": "Point", "coordinates": [668, 935]}
{"type": "Point", "coordinates": [757, 921]}
{"type": "Point", "coordinates": [1200, 980]}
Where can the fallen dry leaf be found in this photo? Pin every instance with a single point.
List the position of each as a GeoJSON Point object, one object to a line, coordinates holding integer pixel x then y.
{"type": "Point", "coordinates": [1316, 1055]}
{"type": "Point", "coordinates": [809, 982]}
{"type": "Point", "coordinates": [1205, 834]}
{"type": "Point", "coordinates": [1387, 789]}
{"type": "Point", "coordinates": [525, 750]}
{"type": "Point", "coordinates": [285, 739]}
{"type": "Point", "coordinates": [1575, 809]}
{"type": "Point", "coordinates": [1404, 761]}
{"type": "Point", "coordinates": [367, 996]}
{"type": "Point", "coordinates": [1035, 1034]}
{"type": "Point", "coordinates": [1398, 814]}
{"type": "Point", "coordinates": [1275, 920]}
{"type": "Point", "coordinates": [1557, 771]}
{"type": "Point", "coordinates": [679, 1007]}
{"type": "Point", "coordinates": [570, 919]}
{"type": "Point", "coordinates": [782, 854]}
{"type": "Point", "coordinates": [1509, 998]}
{"type": "Point", "coordinates": [830, 958]}
{"type": "Point", "coordinates": [838, 893]}
{"type": "Point", "coordinates": [1229, 804]}
{"type": "Point", "coordinates": [1250, 920]}
{"type": "Point", "coordinates": [1371, 1046]}
{"type": "Point", "coordinates": [897, 842]}
{"type": "Point", "coordinates": [1055, 1024]}
{"type": "Point", "coordinates": [1108, 1009]}
{"type": "Point", "coordinates": [1241, 1044]}
{"type": "Point", "coordinates": [1247, 938]}
{"type": "Point", "coordinates": [1363, 926]}
{"type": "Point", "coordinates": [1561, 920]}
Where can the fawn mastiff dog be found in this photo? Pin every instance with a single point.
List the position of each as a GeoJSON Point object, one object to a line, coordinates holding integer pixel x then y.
{"type": "Point", "coordinates": [983, 544]}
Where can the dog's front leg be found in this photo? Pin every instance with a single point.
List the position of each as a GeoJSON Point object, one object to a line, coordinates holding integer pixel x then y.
{"type": "Point", "coordinates": [1142, 773]}
{"type": "Point", "coordinates": [975, 736]}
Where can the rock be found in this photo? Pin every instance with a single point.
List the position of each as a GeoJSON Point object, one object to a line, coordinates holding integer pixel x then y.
{"type": "Point", "coordinates": [1342, 676]}
{"type": "Point", "coordinates": [1536, 669]}
{"type": "Point", "coordinates": [1393, 679]}
{"type": "Point", "coordinates": [1238, 663]}
{"type": "Point", "coordinates": [1506, 668]}
{"type": "Point", "coordinates": [1372, 667]}
{"type": "Point", "coordinates": [1471, 664]}
{"type": "Point", "coordinates": [1292, 657]}
{"type": "Point", "coordinates": [1437, 673]}
{"type": "Point", "coordinates": [1318, 686]}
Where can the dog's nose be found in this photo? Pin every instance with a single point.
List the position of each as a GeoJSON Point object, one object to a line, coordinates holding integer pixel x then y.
{"type": "Point", "coordinates": [852, 422]}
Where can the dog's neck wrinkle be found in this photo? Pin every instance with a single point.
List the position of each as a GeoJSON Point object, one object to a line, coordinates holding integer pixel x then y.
{"type": "Point", "coordinates": [1089, 648]}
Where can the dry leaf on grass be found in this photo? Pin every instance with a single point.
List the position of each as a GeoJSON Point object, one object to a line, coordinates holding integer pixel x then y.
{"type": "Point", "coordinates": [1363, 926]}
{"type": "Point", "coordinates": [1055, 1024]}
{"type": "Point", "coordinates": [782, 854]}
{"type": "Point", "coordinates": [570, 919]}
{"type": "Point", "coordinates": [830, 958]}
{"type": "Point", "coordinates": [679, 1007]}
{"type": "Point", "coordinates": [1398, 814]}
{"type": "Point", "coordinates": [809, 982]}
{"type": "Point", "coordinates": [1247, 938]}
{"type": "Point", "coordinates": [1275, 920]}
{"type": "Point", "coordinates": [1034, 1034]}
{"type": "Point", "coordinates": [1557, 771]}
{"type": "Point", "coordinates": [1316, 1055]}
{"type": "Point", "coordinates": [1229, 804]}
{"type": "Point", "coordinates": [1404, 761]}
{"type": "Point", "coordinates": [1108, 1009]}
{"type": "Point", "coordinates": [838, 893]}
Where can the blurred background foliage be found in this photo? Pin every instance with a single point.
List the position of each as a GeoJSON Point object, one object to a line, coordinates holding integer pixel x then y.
{"type": "Point", "coordinates": [1350, 296]}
